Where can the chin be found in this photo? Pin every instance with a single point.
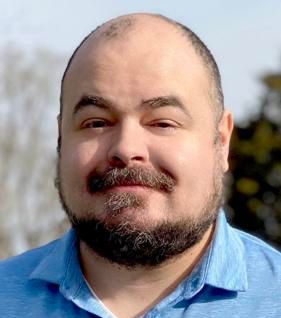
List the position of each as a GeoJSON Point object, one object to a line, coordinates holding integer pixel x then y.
{"type": "Point", "coordinates": [139, 218]}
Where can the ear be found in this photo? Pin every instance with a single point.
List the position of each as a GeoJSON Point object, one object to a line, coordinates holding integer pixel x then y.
{"type": "Point", "coordinates": [59, 119]}
{"type": "Point", "coordinates": [59, 133]}
{"type": "Point", "coordinates": [59, 123]}
{"type": "Point", "coordinates": [225, 128]}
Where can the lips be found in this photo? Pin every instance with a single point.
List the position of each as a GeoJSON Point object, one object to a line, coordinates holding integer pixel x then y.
{"type": "Point", "coordinates": [120, 185]}
{"type": "Point", "coordinates": [128, 187]}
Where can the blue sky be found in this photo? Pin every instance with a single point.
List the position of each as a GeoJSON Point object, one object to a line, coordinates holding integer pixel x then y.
{"type": "Point", "coordinates": [244, 36]}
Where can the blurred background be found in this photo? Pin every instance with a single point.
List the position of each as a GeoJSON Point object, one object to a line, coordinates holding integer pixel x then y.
{"type": "Point", "coordinates": [37, 39]}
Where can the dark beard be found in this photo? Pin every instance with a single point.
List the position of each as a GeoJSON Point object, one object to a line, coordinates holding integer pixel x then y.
{"type": "Point", "coordinates": [131, 247]}
{"type": "Point", "coordinates": [126, 244]}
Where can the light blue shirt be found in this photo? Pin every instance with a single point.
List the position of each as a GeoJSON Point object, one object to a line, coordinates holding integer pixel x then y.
{"type": "Point", "coordinates": [239, 276]}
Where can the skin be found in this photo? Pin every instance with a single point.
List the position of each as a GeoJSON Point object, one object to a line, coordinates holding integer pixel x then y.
{"type": "Point", "coordinates": [126, 132]}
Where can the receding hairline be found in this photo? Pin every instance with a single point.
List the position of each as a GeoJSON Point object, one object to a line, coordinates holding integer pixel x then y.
{"type": "Point", "coordinates": [120, 26]}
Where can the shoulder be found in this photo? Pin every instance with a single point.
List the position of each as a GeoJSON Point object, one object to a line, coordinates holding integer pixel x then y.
{"type": "Point", "coordinates": [262, 260]}
{"type": "Point", "coordinates": [255, 245]}
{"type": "Point", "coordinates": [21, 266]}
{"type": "Point", "coordinates": [30, 282]}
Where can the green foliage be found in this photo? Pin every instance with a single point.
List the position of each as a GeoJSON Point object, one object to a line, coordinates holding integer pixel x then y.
{"type": "Point", "coordinates": [255, 164]}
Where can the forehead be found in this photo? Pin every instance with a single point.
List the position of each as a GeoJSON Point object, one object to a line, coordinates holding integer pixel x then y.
{"type": "Point", "coordinates": [138, 64]}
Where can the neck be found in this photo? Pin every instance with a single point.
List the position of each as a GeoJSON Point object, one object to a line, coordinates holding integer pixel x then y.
{"type": "Point", "coordinates": [141, 288]}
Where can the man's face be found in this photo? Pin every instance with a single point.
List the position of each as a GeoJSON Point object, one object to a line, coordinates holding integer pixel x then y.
{"type": "Point", "coordinates": [140, 147]}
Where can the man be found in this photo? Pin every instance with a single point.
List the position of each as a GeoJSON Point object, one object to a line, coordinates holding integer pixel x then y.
{"type": "Point", "coordinates": [142, 151]}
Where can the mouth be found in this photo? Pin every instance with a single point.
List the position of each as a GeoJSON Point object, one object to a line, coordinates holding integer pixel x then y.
{"type": "Point", "coordinates": [128, 188]}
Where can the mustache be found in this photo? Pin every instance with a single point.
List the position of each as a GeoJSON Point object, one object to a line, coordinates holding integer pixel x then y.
{"type": "Point", "coordinates": [129, 177]}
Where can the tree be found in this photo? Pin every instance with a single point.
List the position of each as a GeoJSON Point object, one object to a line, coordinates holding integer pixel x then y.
{"type": "Point", "coordinates": [255, 196]}
{"type": "Point", "coordinates": [29, 210]}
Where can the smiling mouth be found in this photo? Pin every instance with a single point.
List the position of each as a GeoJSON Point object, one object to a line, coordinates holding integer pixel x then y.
{"type": "Point", "coordinates": [123, 187]}
{"type": "Point", "coordinates": [127, 187]}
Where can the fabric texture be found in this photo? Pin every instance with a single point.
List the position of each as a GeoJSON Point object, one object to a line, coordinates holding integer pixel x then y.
{"type": "Point", "coordinates": [239, 276]}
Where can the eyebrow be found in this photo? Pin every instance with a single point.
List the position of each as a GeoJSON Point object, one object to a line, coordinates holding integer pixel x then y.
{"type": "Point", "coordinates": [157, 102]}
{"type": "Point", "coordinates": [163, 101]}
{"type": "Point", "coordinates": [90, 101]}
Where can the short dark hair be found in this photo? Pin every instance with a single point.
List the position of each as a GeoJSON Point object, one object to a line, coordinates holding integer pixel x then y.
{"type": "Point", "coordinates": [199, 46]}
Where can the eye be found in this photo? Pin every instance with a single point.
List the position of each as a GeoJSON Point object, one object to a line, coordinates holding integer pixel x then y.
{"type": "Point", "coordinates": [164, 124]}
{"type": "Point", "coordinates": [95, 123]}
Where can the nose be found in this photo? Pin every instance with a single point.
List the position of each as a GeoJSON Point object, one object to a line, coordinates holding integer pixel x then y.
{"type": "Point", "coordinates": [128, 146]}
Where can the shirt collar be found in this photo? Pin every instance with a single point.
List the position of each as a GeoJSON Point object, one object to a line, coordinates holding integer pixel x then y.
{"type": "Point", "coordinates": [61, 265]}
{"type": "Point", "coordinates": [227, 262]}
{"type": "Point", "coordinates": [223, 265]}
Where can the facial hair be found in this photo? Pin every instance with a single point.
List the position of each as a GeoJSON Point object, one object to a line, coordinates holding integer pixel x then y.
{"type": "Point", "coordinates": [124, 242]}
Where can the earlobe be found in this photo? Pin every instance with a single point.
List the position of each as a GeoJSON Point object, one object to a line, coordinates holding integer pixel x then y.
{"type": "Point", "coordinates": [225, 132]}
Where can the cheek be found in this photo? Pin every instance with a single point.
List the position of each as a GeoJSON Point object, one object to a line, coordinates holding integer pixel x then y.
{"type": "Point", "coordinates": [190, 163]}
{"type": "Point", "coordinates": [78, 159]}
